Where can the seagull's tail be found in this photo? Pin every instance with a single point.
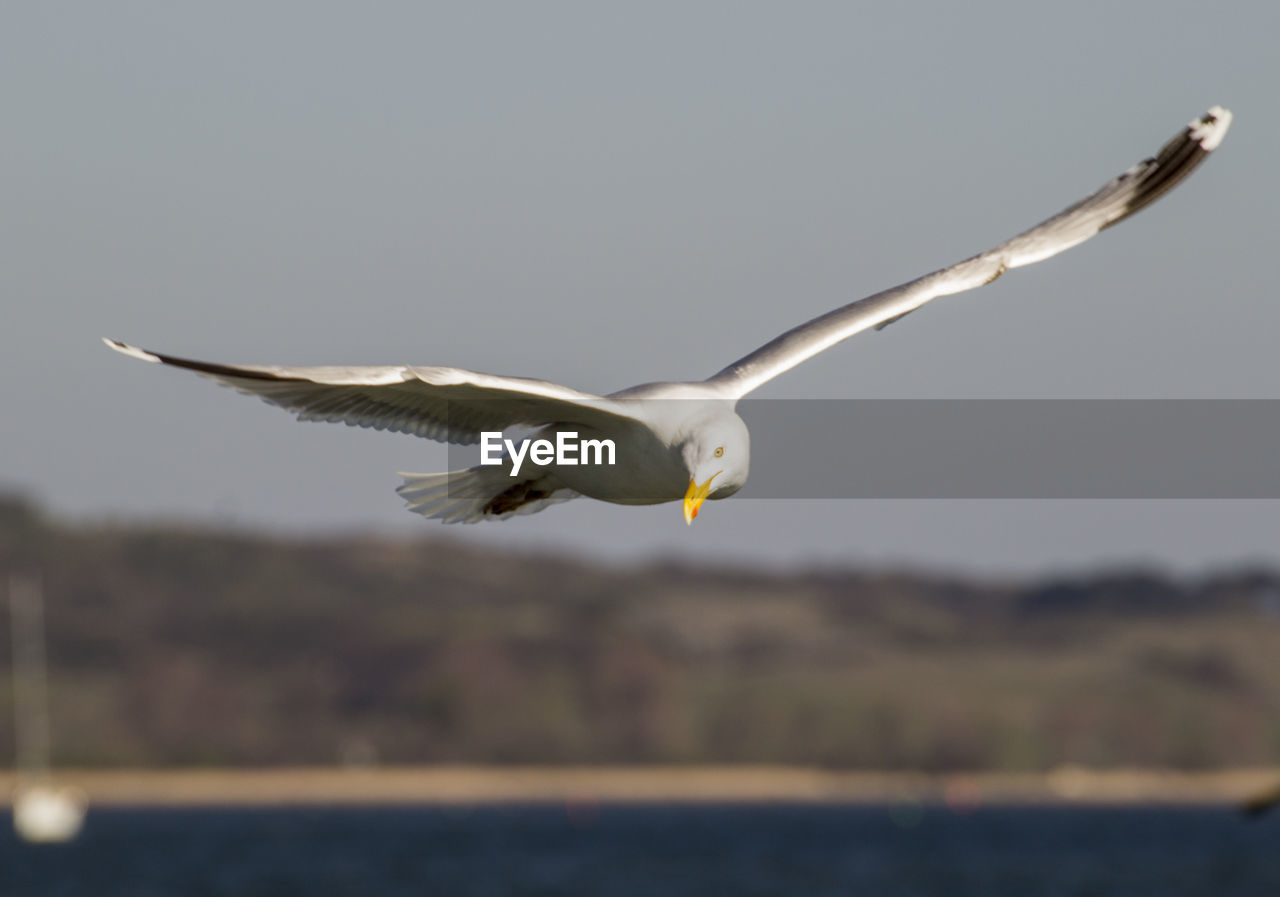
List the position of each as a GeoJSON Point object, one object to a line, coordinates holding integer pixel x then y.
{"type": "Point", "coordinates": [480, 493]}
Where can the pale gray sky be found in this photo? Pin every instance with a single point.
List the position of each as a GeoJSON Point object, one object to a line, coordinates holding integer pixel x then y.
{"type": "Point", "coordinates": [601, 196]}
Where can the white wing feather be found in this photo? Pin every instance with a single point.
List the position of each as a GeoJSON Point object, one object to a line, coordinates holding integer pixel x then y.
{"type": "Point", "coordinates": [1118, 199]}
{"type": "Point", "coordinates": [441, 403]}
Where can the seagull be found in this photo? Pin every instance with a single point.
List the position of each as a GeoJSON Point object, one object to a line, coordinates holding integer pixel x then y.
{"type": "Point", "coordinates": [674, 441]}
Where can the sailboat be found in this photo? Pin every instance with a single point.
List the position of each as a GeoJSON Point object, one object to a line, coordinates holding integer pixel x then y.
{"type": "Point", "coordinates": [43, 812]}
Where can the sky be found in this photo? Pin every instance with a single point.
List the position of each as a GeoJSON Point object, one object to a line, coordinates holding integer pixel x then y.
{"type": "Point", "coordinates": [606, 194]}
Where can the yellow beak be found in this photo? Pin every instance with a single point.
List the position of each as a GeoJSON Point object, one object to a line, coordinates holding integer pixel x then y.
{"type": "Point", "coordinates": [696, 495]}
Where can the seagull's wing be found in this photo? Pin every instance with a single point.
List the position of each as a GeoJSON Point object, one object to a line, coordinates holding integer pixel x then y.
{"type": "Point", "coordinates": [441, 403]}
{"type": "Point", "coordinates": [1118, 199]}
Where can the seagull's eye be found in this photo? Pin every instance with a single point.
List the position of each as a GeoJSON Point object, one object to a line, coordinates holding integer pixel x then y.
{"type": "Point", "coordinates": [719, 451]}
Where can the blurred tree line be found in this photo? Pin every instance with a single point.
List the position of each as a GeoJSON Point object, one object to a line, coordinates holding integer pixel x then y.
{"type": "Point", "coordinates": [174, 645]}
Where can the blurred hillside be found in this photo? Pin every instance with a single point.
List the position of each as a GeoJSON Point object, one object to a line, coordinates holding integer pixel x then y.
{"type": "Point", "coordinates": [171, 646]}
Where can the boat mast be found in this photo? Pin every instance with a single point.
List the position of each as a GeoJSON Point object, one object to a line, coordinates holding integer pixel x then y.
{"type": "Point", "coordinates": [30, 685]}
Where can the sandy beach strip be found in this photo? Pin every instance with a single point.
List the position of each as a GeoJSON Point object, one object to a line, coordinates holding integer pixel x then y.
{"type": "Point", "coordinates": [460, 785]}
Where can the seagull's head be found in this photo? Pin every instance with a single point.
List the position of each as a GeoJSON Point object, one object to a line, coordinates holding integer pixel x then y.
{"type": "Point", "coordinates": [717, 456]}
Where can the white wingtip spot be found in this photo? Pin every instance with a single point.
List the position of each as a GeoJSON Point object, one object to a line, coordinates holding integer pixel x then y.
{"type": "Point", "coordinates": [131, 351]}
{"type": "Point", "coordinates": [1210, 128]}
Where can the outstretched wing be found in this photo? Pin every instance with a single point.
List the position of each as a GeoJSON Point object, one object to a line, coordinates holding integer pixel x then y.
{"type": "Point", "coordinates": [1118, 199]}
{"type": "Point", "coordinates": [445, 404]}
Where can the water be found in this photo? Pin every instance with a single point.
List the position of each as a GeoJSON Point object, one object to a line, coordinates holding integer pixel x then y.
{"type": "Point", "coordinates": [617, 851]}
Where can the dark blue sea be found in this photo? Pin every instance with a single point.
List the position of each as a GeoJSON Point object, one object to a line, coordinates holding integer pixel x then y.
{"type": "Point", "coordinates": [618, 851]}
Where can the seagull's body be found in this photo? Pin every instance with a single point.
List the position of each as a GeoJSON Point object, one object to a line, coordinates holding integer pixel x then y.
{"type": "Point", "coordinates": [675, 440]}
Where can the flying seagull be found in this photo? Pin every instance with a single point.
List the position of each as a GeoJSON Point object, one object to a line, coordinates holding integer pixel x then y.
{"type": "Point", "coordinates": [667, 441]}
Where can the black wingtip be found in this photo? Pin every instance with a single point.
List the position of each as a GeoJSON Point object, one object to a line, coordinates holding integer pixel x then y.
{"type": "Point", "coordinates": [131, 351]}
{"type": "Point", "coordinates": [1176, 159]}
{"type": "Point", "coordinates": [200, 367]}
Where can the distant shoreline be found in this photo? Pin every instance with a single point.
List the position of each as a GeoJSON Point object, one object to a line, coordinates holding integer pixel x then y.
{"type": "Point", "coordinates": [462, 785]}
